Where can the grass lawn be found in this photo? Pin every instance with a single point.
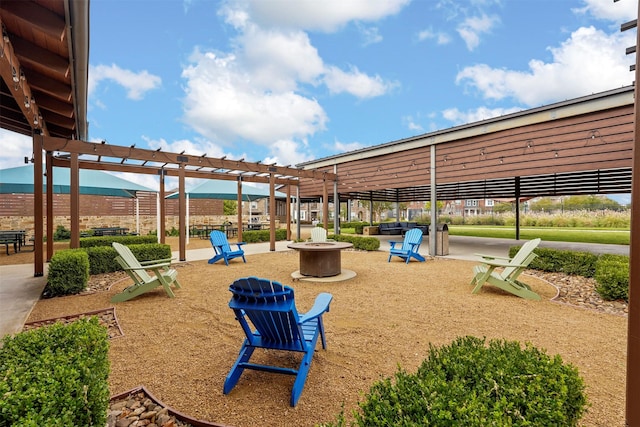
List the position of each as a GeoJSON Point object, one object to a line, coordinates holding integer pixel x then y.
{"type": "Point", "coordinates": [569, 234]}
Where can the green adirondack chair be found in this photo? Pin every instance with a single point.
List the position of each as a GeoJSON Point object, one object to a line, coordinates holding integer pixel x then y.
{"type": "Point", "coordinates": [142, 280]}
{"type": "Point", "coordinates": [319, 235]}
{"type": "Point", "coordinates": [506, 278]}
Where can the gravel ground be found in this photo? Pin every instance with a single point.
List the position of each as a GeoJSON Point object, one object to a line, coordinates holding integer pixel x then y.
{"type": "Point", "coordinates": [181, 349]}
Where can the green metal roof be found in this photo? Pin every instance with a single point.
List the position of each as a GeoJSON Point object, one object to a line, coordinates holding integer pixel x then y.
{"type": "Point", "coordinates": [227, 190]}
{"type": "Point", "coordinates": [20, 180]}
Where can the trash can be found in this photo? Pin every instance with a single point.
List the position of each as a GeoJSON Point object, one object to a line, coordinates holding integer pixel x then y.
{"type": "Point", "coordinates": [442, 239]}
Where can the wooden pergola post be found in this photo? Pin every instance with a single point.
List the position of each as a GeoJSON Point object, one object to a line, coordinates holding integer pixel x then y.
{"type": "Point", "coordinates": [272, 212]}
{"type": "Point", "coordinates": [182, 212]}
{"type": "Point", "coordinates": [240, 209]}
{"type": "Point", "coordinates": [161, 207]}
{"type": "Point", "coordinates": [38, 264]}
{"type": "Point", "coordinates": [74, 180]}
{"type": "Point", "coordinates": [49, 159]}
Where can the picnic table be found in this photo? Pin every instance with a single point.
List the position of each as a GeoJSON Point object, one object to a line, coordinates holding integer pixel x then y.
{"type": "Point", "coordinates": [203, 230]}
{"type": "Point", "coordinates": [15, 238]}
{"type": "Point", "coordinates": [109, 231]}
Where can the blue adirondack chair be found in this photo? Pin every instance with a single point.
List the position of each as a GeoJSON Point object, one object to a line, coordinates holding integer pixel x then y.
{"type": "Point", "coordinates": [223, 250]}
{"type": "Point", "coordinates": [270, 308]}
{"type": "Point", "coordinates": [409, 248]}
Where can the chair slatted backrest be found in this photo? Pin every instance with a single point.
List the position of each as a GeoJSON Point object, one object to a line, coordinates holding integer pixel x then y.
{"type": "Point", "coordinates": [219, 240]}
{"type": "Point", "coordinates": [318, 234]}
{"type": "Point", "coordinates": [523, 257]}
{"type": "Point", "coordinates": [412, 240]}
{"type": "Point", "coordinates": [270, 307]}
{"type": "Point", "coordinates": [129, 260]}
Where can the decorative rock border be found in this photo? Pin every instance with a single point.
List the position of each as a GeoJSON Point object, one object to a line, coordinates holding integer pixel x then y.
{"type": "Point", "coordinates": [138, 407]}
{"type": "Point", "coordinates": [106, 316]}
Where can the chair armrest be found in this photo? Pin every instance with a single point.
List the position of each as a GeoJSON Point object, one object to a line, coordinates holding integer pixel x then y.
{"type": "Point", "coordinates": [241, 243]}
{"type": "Point", "coordinates": [320, 305]}
{"type": "Point", "coordinates": [492, 256]}
{"type": "Point", "coordinates": [502, 263]}
{"type": "Point", "coordinates": [393, 244]}
{"type": "Point", "coordinates": [157, 261]}
{"type": "Point", "coordinates": [150, 266]}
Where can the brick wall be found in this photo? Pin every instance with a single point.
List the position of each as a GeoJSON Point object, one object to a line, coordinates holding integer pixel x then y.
{"type": "Point", "coordinates": [16, 212]}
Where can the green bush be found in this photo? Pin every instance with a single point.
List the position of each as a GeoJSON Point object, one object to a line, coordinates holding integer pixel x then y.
{"type": "Point", "coordinates": [257, 236]}
{"type": "Point", "coordinates": [611, 272]}
{"type": "Point", "coordinates": [61, 233]}
{"type": "Point", "coordinates": [89, 242]}
{"type": "Point", "coordinates": [361, 243]}
{"type": "Point", "coordinates": [563, 261]}
{"type": "Point", "coordinates": [612, 275]}
{"type": "Point", "coordinates": [68, 273]}
{"type": "Point", "coordinates": [55, 376]}
{"type": "Point", "coordinates": [102, 258]}
{"type": "Point", "coordinates": [469, 383]}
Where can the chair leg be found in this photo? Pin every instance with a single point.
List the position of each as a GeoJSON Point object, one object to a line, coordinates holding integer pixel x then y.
{"type": "Point", "coordinates": [215, 259]}
{"type": "Point", "coordinates": [238, 368]}
{"type": "Point", "coordinates": [301, 378]}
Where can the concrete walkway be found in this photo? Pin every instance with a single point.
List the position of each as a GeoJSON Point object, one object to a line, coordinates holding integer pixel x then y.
{"type": "Point", "coordinates": [19, 290]}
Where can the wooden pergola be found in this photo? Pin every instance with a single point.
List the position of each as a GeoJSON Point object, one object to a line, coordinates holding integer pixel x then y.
{"type": "Point", "coordinates": [43, 94]}
{"type": "Point", "coordinates": [102, 156]}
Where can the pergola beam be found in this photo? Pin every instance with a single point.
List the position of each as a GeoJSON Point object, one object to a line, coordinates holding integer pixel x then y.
{"type": "Point", "coordinates": [145, 155]}
{"type": "Point", "coordinates": [155, 170]}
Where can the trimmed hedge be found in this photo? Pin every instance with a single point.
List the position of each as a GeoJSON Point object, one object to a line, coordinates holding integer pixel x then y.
{"type": "Point", "coordinates": [361, 243]}
{"type": "Point", "coordinates": [68, 273]}
{"type": "Point", "coordinates": [102, 258]}
{"type": "Point", "coordinates": [612, 275]}
{"type": "Point", "coordinates": [257, 236]}
{"type": "Point", "coordinates": [562, 261]}
{"type": "Point", "coordinates": [468, 383]}
{"type": "Point", "coordinates": [70, 269]}
{"type": "Point", "coordinates": [55, 376]}
{"type": "Point", "coordinates": [611, 272]}
{"type": "Point", "coordinates": [89, 242]}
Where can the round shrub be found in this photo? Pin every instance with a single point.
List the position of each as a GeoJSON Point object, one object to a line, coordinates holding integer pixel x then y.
{"type": "Point", "coordinates": [68, 273]}
{"type": "Point", "coordinates": [469, 383]}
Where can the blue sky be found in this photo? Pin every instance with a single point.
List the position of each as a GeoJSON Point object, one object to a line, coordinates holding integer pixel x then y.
{"type": "Point", "coordinates": [289, 81]}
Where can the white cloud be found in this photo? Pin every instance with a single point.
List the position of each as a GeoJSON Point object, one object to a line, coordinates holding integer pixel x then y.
{"type": "Point", "coordinates": [473, 27]}
{"type": "Point", "coordinates": [256, 92]}
{"type": "Point", "coordinates": [440, 37]}
{"type": "Point", "coordinates": [328, 15]}
{"type": "Point", "coordinates": [370, 35]}
{"type": "Point", "coordinates": [617, 12]}
{"type": "Point", "coordinates": [458, 117]}
{"type": "Point", "coordinates": [356, 83]}
{"type": "Point", "coordinates": [136, 84]}
{"type": "Point", "coordinates": [411, 123]}
{"type": "Point", "coordinates": [345, 147]}
{"type": "Point", "coordinates": [222, 104]}
{"type": "Point", "coordinates": [286, 152]}
{"type": "Point", "coordinates": [589, 61]}
{"type": "Point", "coordinates": [277, 61]}
{"type": "Point", "coordinates": [14, 148]}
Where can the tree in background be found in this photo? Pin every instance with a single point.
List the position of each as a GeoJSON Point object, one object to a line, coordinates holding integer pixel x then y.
{"type": "Point", "coordinates": [379, 207]}
{"type": "Point", "coordinates": [230, 207]}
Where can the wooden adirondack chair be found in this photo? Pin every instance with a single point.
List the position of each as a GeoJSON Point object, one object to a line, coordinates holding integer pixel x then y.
{"type": "Point", "coordinates": [270, 308]}
{"type": "Point", "coordinates": [223, 250]}
{"type": "Point", "coordinates": [409, 248]}
{"type": "Point", "coordinates": [142, 280]}
{"type": "Point", "coordinates": [507, 277]}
